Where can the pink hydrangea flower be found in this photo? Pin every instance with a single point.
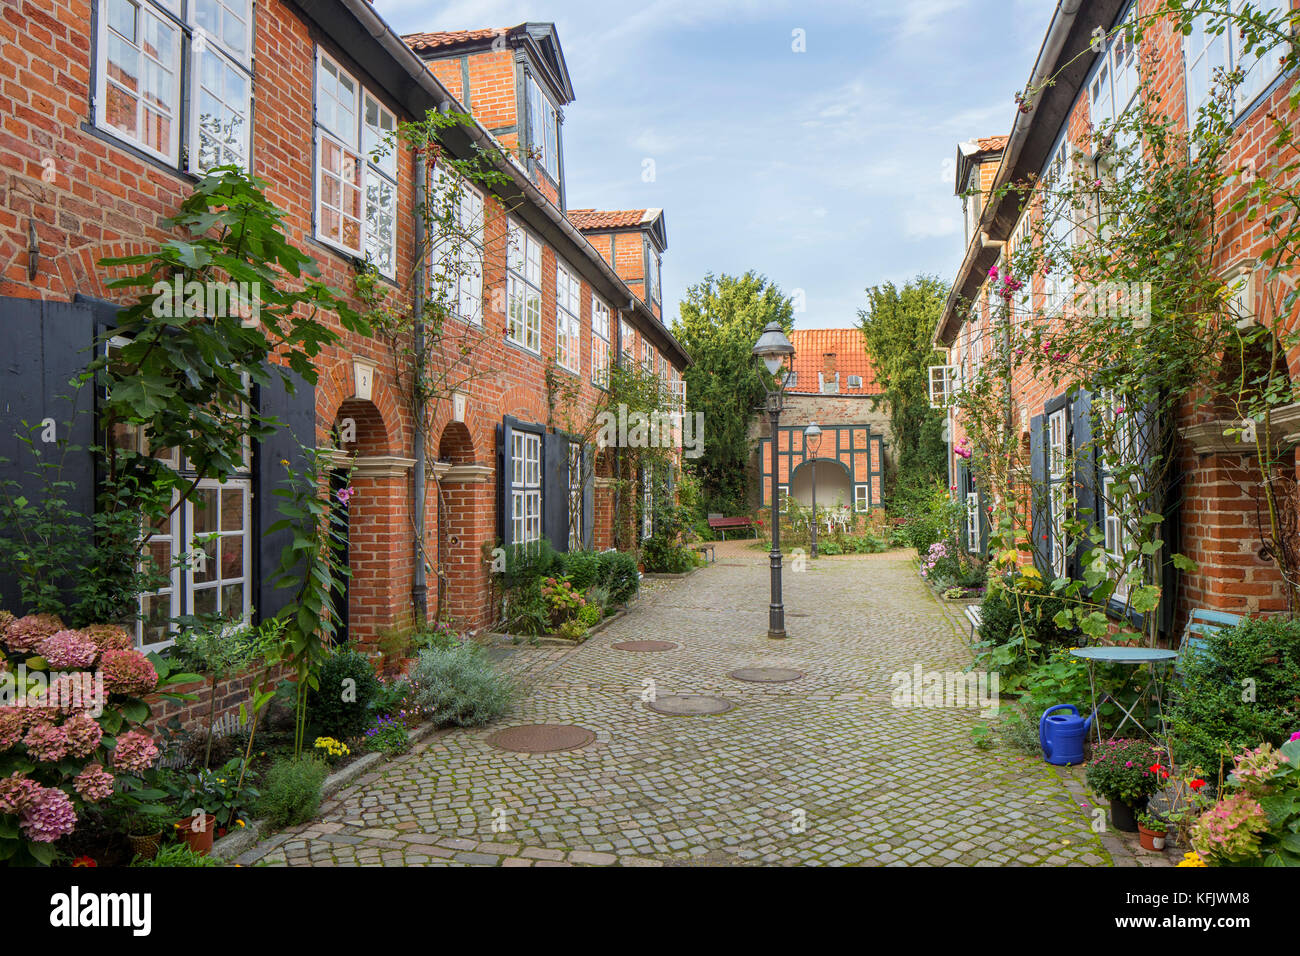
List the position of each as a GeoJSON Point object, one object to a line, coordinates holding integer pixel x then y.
{"type": "Point", "coordinates": [94, 783]}
{"type": "Point", "coordinates": [67, 650]}
{"type": "Point", "coordinates": [83, 735]}
{"type": "Point", "coordinates": [16, 791]}
{"type": "Point", "coordinates": [11, 727]}
{"type": "Point", "coordinates": [135, 752]}
{"type": "Point", "coordinates": [127, 672]}
{"type": "Point", "coordinates": [48, 816]}
{"type": "Point", "coordinates": [109, 637]}
{"type": "Point", "coordinates": [75, 692]}
{"type": "Point", "coordinates": [25, 633]}
{"type": "Point", "coordinates": [46, 743]}
{"type": "Point", "coordinates": [1296, 735]}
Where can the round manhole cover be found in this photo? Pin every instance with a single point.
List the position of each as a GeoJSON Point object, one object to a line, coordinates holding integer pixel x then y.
{"type": "Point", "coordinates": [766, 675]}
{"type": "Point", "coordinates": [542, 738]}
{"type": "Point", "coordinates": [644, 646]}
{"type": "Point", "coordinates": [689, 705]}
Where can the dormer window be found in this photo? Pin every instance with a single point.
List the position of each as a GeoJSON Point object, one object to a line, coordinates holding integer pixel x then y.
{"type": "Point", "coordinates": [971, 204]}
{"type": "Point", "coordinates": [543, 130]}
{"type": "Point", "coordinates": [652, 272]}
{"type": "Point", "coordinates": [828, 384]}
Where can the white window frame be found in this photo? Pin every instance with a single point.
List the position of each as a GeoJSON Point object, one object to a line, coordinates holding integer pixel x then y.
{"type": "Point", "coordinates": [600, 343]}
{"type": "Point", "coordinates": [647, 503]}
{"type": "Point", "coordinates": [197, 557]}
{"type": "Point", "coordinates": [568, 321]}
{"type": "Point", "coordinates": [861, 497]}
{"type": "Point", "coordinates": [1058, 460]}
{"type": "Point", "coordinates": [543, 129]}
{"type": "Point", "coordinates": [526, 487]}
{"type": "Point", "coordinates": [167, 19]}
{"type": "Point", "coordinates": [653, 274]}
{"type": "Point", "coordinates": [524, 289]}
{"type": "Point", "coordinates": [1059, 224]}
{"type": "Point", "coordinates": [972, 522]}
{"type": "Point", "coordinates": [1197, 51]}
{"type": "Point", "coordinates": [783, 496]}
{"type": "Point", "coordinates": [461, 214]}
{"type": "Point", "coordinates": [941, 385]}
{"type": "Point", "coordinates": [627, 343]}
{"type": "Point", "coordinates": [376, 176]}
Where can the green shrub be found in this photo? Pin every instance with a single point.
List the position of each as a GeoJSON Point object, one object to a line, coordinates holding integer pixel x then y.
{"type": "Point", "coordinates": [1018, 629]}
{"type": "Point", "coordinates": [388, 736]}
{"type": "Point", "coordinates": [583, 568]}
{"type": "Point", "coordinates": [590, 615]}
{"type": "Point", "coordinates": [292, 792]}
{"type": "Point", "coordinates": [598, 595]}
{"type": "Point", "coordinates": [178, 854]}
{"type": "Point", "coordinates": [528, 562]}
{"type": "Point", "coordinates": [340, 707]}
{"type": "Point", "coordinates": [663, 555]}
{"type": "Point", "coordinates": [1242, 691]}
{"type": "Point", "coordinates": [618, 572]}
{"type": "Point", "coordinates": [460, 687]}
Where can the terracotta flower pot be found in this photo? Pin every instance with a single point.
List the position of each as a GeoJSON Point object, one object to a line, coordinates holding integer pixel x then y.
{"type": "Point", "coordinates": [145, 845]}
{"type": "Point", "coordinates": [199, 840]}
{"type": "Point", "coordinates": [1153, 840]}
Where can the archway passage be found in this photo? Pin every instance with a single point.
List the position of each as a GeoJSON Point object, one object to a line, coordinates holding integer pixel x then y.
{"type": "Point", "coordinates": [834, 484]}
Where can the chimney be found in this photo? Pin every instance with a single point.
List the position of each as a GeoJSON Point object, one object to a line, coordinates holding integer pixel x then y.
{"type": "Point", "coordinates": [828, 365]}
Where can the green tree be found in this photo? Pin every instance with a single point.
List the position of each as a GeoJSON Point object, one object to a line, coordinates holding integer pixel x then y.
{"type": "Point", "coordinates": [898, 328]}
{"type": "Point", "coordinates": [720, 320]}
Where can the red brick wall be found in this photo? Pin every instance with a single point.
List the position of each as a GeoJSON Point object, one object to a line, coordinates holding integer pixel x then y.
{"type": "Point", "coordinates": [1221, 492]}
{"type": "Point", "coordinates": [103, 201]}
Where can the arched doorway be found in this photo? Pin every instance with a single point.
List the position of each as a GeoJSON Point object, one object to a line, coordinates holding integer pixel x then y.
{"type": "Point", "coordinates": [834, 483]}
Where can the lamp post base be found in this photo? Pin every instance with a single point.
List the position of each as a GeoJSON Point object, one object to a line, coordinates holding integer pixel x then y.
{"type": "Point", "coordinates": [776, 635]}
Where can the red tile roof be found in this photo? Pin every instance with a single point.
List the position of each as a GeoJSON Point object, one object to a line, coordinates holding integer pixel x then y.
{"type": "Point", "coordinates": [810, 349]}
{"type": "Point", "coordinates": [991, 144]}
{"type": "Point", "coordinates": [431, 41]}
{"type": "Point", "coordinates": [595, 219]}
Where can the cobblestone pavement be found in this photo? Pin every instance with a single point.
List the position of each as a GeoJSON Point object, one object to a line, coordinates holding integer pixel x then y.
{"type": "Point", "coordinates": [823, 770]}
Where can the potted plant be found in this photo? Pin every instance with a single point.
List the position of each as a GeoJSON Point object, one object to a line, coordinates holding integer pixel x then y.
{"type": "Point", "coordinates": [1126, 772]}
{"type": "Point", "coordinates": [395, 646]}
{"type": "Point", "coordinates": [139, 811]}
{"type": "Point", "coordinates": [1152, 830]}
{"type": "Point", "coordinates": [209, 802]}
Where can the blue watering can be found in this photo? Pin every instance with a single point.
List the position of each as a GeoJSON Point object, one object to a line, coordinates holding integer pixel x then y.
{"type": "Point", "coordinates": [1061, 735]}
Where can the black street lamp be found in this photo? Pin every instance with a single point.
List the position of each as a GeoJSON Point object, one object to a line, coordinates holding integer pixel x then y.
{"type": "Point", "coordinates": [771, 351]}
{"type": "Point", "coordinates": [812, 437]}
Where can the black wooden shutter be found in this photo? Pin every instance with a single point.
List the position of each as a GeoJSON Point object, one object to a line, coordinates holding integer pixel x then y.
{"type": "Point", "coordinates": [296, 412]}
{"type": "Point", "coordinates": [963, 488]}
{"type": "Point", "coordinates": [984, 526]}
{"type": "Point", "coordinates": [555, 489]}
{"type": "Point", "coordinates": [505, 526]}
{"type": "Point", "coordinates": [1038, 524]}
{"type": "Point", "coordinates": [1086, 480]}
{"type": "Point", "coordinates": [47, 344]}
{"type": "Point", "coordinates": [588, 498]}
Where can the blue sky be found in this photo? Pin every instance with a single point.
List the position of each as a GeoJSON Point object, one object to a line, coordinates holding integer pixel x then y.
{"type": "Point", "coordinates": [828, 170]}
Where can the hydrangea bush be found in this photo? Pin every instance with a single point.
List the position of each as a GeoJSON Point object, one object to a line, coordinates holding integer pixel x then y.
{"type": "Point", "coordinates": [63, 743]}
{"type": "Point", "coordinates": [1258, 823]}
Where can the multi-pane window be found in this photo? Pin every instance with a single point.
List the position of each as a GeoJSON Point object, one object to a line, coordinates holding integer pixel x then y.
{"type": "Point", "coordinates": [627, 343]}
{"type": "Point", "coordinates": [1058, 487]}
{"type": "Point", "coordinates": [356, 170]}
{"type": "Point", "coordinates": [1120, 449]}
{"type": "Point", "coordinates": [971, 205]}
{"type": "Point", "coordinates": [652, 272]}
{"type": "Point", "coordinates": [524, 289]}
{"type": "Point", "coordinates": [1205, 53]}
{"type": "Point", "coordinates": [526, 487]}
{"type": "Point", "coordinates": [647, 504]}
{"type": "Point", "coordinates": [142, 90]}
{"type": "Point", "coordinates": [456, 247]}
{"type": "Point", "coordinates": [1114, 86]}
{"type": "Point", "coordinates": [600, 332]}
{"type": "Point", "coordinates": [1058, 212]}
{"type": "Point", "coordinates": [647, 357]}
{"type": "Point", "coordinates": [543, 129]}
{"type": "Point", "coordinates": [861, 497]}
{"type": "Point", "coordinates": [217, 573]}
{"type": "Point", "coordinates": [568, 325]}
{"type": "Point", "coordinates": [201, 548]}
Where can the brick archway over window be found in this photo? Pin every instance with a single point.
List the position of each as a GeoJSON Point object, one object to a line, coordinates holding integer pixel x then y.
{"type": "Point", "coordinates": [367, 428]}
{"type": "Point", "coordinates": [456, 444]}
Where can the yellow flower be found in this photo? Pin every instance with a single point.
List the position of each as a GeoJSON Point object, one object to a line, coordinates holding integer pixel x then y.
{"type": "Point", "coordinates": [1191, 859]}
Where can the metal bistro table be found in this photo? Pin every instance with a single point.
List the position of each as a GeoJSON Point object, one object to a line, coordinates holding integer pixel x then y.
{"type": "Point", "coordinates": [1135, 656]}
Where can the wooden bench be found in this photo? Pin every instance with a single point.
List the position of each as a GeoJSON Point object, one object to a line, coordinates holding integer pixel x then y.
{"type": "Point", "coordinates": [1201, 625]}
{"type": "Point", "coordinates": [707, 551]}
{"type": "Point", "coordinates": [972, 612]}
{"type": "Point", "coordinates": [719, 523]}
